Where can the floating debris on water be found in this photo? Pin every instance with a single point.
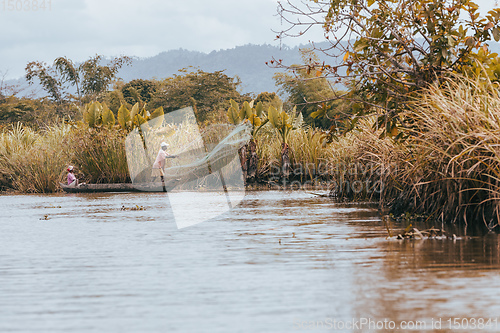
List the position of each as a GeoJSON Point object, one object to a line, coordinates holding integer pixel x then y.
{"type": "Point", "coordinates": [136, 207]}
{"type": "Point", "coordinates": [432, 233]}
{"type": "Point", "coordinates": [411, 232]}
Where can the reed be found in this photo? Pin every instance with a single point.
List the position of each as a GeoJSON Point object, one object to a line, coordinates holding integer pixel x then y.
{"type": "Point", "coordinates": [309, 157]}
{"type": "Point", "coordinates": [30, 161]}
{"type": "Point", "coordinates": [448, 167]}
{"type": "Point", "coordinates": [453, 172]}
{"type": "Point", "coordinates": [99, 154]}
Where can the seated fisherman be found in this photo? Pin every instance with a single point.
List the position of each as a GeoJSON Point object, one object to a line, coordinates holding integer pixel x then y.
{"type": "Point", "coordinates": [72, 181]}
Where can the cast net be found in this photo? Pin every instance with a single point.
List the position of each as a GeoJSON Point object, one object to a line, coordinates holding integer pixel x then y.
{"type": "Point", "coordinates": [200, 162]}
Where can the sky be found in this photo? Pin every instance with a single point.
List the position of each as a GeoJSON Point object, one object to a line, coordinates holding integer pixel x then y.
{"type": "Point", "coordinates": [79, 29]}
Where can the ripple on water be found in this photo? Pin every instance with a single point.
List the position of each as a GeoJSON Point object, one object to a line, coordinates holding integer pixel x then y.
{"type": "Point", "coordinates": [275, 261]}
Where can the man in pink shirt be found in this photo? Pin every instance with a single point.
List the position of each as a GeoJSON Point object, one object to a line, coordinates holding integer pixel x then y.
{"type": "Point", "coordinates": [159, 163]}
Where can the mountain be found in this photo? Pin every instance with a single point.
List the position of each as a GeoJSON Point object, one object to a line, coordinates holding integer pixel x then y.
{"type": "Point", "coordinates": [248, 62]}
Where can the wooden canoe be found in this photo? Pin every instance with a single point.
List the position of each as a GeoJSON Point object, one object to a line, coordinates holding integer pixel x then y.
{"type": "Point", "coordinates": [119, 187]}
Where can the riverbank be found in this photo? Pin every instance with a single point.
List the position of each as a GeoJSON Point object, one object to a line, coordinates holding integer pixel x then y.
{"type": "Point", "coordinates": [445, 166]}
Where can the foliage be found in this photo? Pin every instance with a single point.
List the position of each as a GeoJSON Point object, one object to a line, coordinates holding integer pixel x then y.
{"type": "Point", "coordinates": [447, 169]}
{"type": "Point", "coordinates": [206, 92]}
{"type": "Point", "coordinates": [313, 95]}
{"type": "Point", "coordinates": [36, 112]}
{"type": "Point", "coordinates": [282, 121]}
{"type": "Point", "coordinates": [128, 120]}
{"type": "Point", "coordinates": [90, 78]}
{"type": "Point", "coordinates": [267, 99]}
{"type": "Point", "coordinates": [257, 119]}
{"type": "Point", "coordinates": [454, 170]}
{"type": "Point", "coordinates": [99, 154]}
{"type": "Point", "coordinates": [386, 51]}
{"type": "Point", "coordinates": [96, 78]}
{"type": "Point", "coordinates": [47, 77]}
{"type": "Point", "coordinates": [114, 99]}
{"type": "Point", "coordinates": [284, 125]}
{"type": "Point", "coordinates": [309, 157]}
{"type": "Point", "coordinates": [254, 115]}
{"type": "Point", "coordinates": [139, 91]}
{"type": "Point", "coordinates": [68, 73]}
{"type": "Point", "coordinates": [33, 161]}
{"type": "Point", "coordinates": [14, 110]}
{"type": "Point", "coordinates": [97, 114]}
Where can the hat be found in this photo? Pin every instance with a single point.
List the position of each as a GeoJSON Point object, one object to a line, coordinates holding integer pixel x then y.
{"type": "Point", "coordinates": [164, 145]}
{"type": "Point", "coordinates": [70, 168]}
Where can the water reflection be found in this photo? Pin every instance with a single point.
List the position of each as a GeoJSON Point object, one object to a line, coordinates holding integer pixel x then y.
{"type": "Point", "coordinates": [433, 279]}
{"type": "Point", "coordinates": [278, 260]}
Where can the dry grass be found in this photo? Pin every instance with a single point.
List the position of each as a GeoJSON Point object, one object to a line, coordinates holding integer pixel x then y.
{"type": "Point", "coordinates": [99, 155]}
{"type": "Point", "coordinates": [33, 162]}
{"type": "Point", "coordinates": [309, 158]}
{"type": "Point", "coordinates": [449, 166]}
{"type": "Point", "coordinates": [454, 170]}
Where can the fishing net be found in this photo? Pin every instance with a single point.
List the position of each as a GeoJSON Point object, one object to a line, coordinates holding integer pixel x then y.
{"type": "Point", "coordinates": [202, 175]}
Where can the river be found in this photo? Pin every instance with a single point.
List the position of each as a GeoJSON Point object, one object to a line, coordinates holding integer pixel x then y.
{"type": "Point", "coordinates": [278, 262]}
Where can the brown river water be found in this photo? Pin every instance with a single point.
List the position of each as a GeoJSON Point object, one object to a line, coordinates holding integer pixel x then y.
{"type": "Point", "coordinates": [278, 262]}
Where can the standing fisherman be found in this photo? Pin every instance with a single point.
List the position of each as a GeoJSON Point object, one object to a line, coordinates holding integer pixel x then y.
{"type": "Point", "coordinates": [159, 163]}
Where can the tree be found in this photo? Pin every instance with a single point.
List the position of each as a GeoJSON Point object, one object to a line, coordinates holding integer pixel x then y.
{"type": "Point", "coordinates": [206, 92]}
{"type": "Point", "coordinates": [91, 79]}
{"type": "Point", "coordinates": [139, 91]}
{"type": "Point", "coordinates": [96, 78]}
{"type": "Point", "coordinates": [36, 112]}
{"type": "Point", "coordinates": [68, 73]}
{"type": "Point", "coordinates": [386, 50]}
{"type": "Point", "coordinates": [48, 79]}
{"type": "Point", "coordinates": [267, 99]}
{"type": "Point", "coordinates": [313, 95]}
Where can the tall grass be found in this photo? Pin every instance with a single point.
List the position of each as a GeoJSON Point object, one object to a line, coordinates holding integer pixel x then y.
{"type": "Point", "coordinates": [99, 154]}
{"type": "Point", "coordinates": [36, 161]}
{"type": "Point", "coordinates": [309, 158]}
{"type": "Point", "coordinates": [448, 168]}
{"type": "Point", "coordinates": [31, 161]}
{"type": "Point", "coordinates": [454, 170]}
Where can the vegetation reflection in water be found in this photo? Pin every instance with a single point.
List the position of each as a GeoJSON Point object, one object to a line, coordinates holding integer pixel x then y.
{"type": "Point", "coordinates": [277, 259]}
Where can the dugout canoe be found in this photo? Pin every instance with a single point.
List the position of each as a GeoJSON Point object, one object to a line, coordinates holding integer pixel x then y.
{"type": "Point", "coordinates": [119, 187]}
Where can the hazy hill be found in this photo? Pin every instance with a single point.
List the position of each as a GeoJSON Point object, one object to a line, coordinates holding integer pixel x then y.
{"type": "Point", "coordinates": [248, 62]}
